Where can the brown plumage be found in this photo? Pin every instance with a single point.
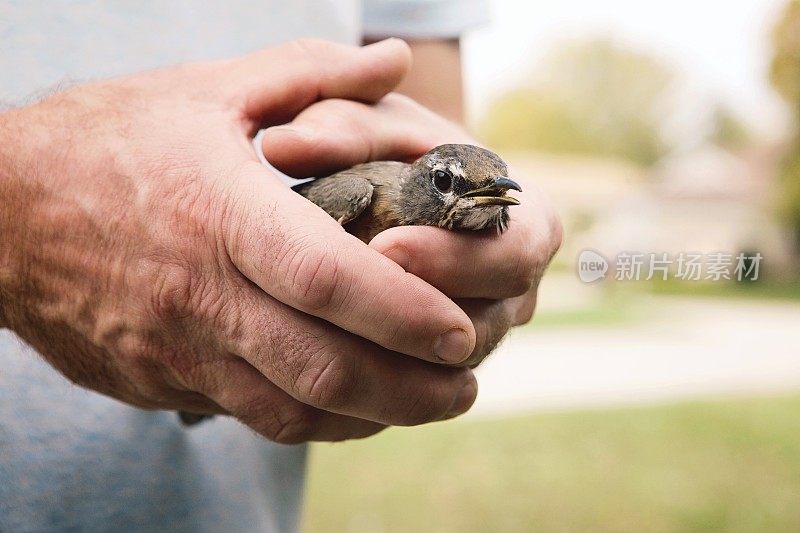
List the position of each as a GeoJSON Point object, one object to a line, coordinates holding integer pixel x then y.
{"type": "Point", "coordinates": [455, 186]}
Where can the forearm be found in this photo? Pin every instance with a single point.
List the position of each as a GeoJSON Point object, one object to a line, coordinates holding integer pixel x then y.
{"type": "Point", "coordinates": [435, 79]}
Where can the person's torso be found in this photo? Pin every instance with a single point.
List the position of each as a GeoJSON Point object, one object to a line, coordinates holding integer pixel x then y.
{"type": "Point", "coordinates": [71, 458]}
{"type": "Point", "coordinates": [43, 44]}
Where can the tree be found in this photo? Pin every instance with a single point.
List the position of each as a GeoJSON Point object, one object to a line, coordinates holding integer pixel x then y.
{"type": "Point", "coordinates": [785, 76]}
{"type": "Point", "coordinates": [785, 69]}
{"type": "Point", "coordinates": [593, 97]}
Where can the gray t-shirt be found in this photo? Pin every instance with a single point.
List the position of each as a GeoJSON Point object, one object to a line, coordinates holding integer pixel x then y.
{"type": "Point", "coordinates": [71, 459]}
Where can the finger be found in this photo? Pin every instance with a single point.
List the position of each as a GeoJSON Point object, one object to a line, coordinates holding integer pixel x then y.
{"type": "Point", "coordinates": [188, 401]}
{"type": "Point", "coordinates": [325, 367]}
{"type": "Point", "coordinates": [276, 83]}
{"type": "Point", "coordinates": [335, 134]}
{"type": "Point", "coordinates": [250, 397]}
{"type": "Point", "coordinates": [338, 134]}
{"type": "Point", "coordinates": [476, 264]}
{"type": "Point", "coordinates": [524, 306]}
{"type": "Point", "coordinates": [492, 319]}
{"type": "Point", "coordinates": [299, 255]}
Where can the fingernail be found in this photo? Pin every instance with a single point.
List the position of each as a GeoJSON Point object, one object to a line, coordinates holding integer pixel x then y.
{"type": "Point", "coordinates": [452, 346]}
{"type": "Point", "coordinates": [399, 255]}
{"type": "Point", "coordinates": [464, 400]}
{"type": "Point", "coordinates": [391, 46]}
{"type": "Point", "coordinates": [384, 42]}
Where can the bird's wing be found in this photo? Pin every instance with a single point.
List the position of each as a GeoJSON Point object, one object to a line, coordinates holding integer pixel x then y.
{"type": "Point", "coordinates": [343, 196]}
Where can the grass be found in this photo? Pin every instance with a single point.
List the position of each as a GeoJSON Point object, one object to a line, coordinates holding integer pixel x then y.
{"type": "Point", "coordinates": [788, 290]}
{"type": "Point", "coordinates": [705, 466]}
{"type": "Point", "coordinates": [614, 309]}
{"type": "Point", "coordinates": [623, 305]}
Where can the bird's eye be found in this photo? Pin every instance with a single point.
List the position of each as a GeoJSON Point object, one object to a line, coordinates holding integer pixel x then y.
{"type": "Point", "coordinates": [442, 180]}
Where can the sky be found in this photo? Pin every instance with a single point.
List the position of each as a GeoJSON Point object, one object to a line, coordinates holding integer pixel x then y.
{"type": "Point", "coordinates": [720, 48]}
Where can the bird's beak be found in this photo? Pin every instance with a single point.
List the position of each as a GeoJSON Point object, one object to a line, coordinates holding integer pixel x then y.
{"type": "Point", "coordinates": [495, 194]}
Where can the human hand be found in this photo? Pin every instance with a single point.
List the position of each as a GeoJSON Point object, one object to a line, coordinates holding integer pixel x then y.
{"type": "Point", "coordinates": [494, 279]}
{"type": "Point", "coordinates": [147, 254]}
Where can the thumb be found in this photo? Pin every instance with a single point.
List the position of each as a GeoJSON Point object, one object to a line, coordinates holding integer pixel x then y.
{"type": "Point", "coordinates": [275, 84]}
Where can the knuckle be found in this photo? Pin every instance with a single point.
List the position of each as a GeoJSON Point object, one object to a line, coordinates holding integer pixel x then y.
{"type": "Point", "coordinates": [313, 273]}
{"type": "Point", "coordinates": [171, 290]}
{"type": "Point", "coordinates": [132, 347]}
{"type": "Point", "coordinates": [292, 425]}
{"type": "Point", "coordinates": [178, 293]}
{"type": "Point", "coordinates": [326, 381]}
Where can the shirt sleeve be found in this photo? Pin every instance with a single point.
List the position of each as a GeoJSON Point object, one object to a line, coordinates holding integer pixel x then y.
{"type": "Point", "coordinates": [423, 19]}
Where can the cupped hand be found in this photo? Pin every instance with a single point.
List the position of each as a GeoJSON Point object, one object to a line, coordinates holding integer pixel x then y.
{"type": "Point", "coordinates": [494, 278]}
{"type": "Point", "coordinates": [146, 254]}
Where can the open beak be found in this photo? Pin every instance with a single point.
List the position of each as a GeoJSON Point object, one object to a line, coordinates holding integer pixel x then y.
{"type": "Point", "coordinates": [495, 194]}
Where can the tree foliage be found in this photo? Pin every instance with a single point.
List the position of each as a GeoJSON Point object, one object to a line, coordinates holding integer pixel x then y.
{"type": "Point", "coordinates": [592, 97]}
{"type": "Point", "coordinates": [785, 69]}
{"type": "Point", "coordinates": [785, 76]}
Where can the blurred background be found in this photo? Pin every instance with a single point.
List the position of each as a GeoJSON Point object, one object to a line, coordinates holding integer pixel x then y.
{"type": "Point", "coordinates": [657, 127]}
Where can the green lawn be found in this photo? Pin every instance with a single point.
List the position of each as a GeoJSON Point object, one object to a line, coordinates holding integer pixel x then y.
{"type": "Point", "coordinates": [710, 466]}
{"type": "Point", "coordinates": [761, 290]}
{"type": "Point", "coordinates": [615, 309]}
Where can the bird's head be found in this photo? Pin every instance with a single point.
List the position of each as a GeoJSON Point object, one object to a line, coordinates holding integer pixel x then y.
{"type": "Point", "coordinates": [458, 186]}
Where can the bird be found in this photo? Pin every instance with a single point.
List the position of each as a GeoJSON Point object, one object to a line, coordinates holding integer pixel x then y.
{"type": "Point", "coordinates": [452, 186]}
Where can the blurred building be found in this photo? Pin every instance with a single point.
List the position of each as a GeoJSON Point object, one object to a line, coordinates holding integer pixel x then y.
{"type": "Point", "coordinates": [703, 200]}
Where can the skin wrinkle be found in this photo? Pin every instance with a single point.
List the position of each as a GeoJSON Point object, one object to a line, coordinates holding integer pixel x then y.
{"type": "Point", "coordinates": [382, 322]}
{"type": "Point", "coordinates": [270, 348]}
{"type": "Point", "coordinates": [83, 311]}
{"type": "Point", "coordinates": [230, 315]}
{"type": "Point", "coordinates": [296, 348]}
{"type": "Point", "coordinates": [532, 266]}
{"type": "Point", "coordinates": [293, 426]}
{"type": "Point", "coordinates": [207, 374]}
{"type": "Point", "coordinates": [412, 413]}
{"type": "Point", "coordinates": [178, 234]}
{"type": "Point", "coordinates": [310, 271]}
{"type": "Point", "coordinates": [521, 281]}
{"type": "Point", "coordinates": [267, 239]}
{"type": "Point", "coordinates": [313, 74]}
{"type": "Point", "coordinates": [327, 384]}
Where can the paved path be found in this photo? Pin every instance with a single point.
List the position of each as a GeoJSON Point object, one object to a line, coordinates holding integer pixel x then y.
{"type": "Point", "coordinates": [693, 348]}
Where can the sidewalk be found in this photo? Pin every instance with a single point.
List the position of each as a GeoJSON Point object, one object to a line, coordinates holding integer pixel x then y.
{"type": "Point", "coordinates": [693, 348]}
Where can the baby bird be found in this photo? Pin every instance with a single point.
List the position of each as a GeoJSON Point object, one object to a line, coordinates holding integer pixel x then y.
{"type": "Point", "coordinates": [454, 186]}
